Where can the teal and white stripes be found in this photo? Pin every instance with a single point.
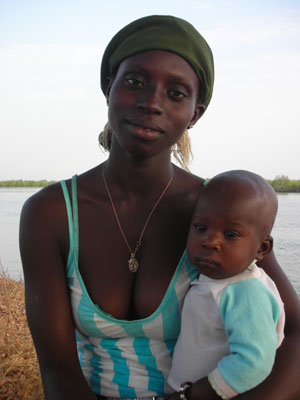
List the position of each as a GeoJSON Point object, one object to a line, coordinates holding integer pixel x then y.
{"type": "Point", "coordinates": [122, 358]}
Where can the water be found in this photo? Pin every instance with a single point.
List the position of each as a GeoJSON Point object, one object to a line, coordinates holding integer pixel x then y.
{"type": "Point", "coordinates": [286, 232]}
{"type": "Point", "coordinates": [11, 201]}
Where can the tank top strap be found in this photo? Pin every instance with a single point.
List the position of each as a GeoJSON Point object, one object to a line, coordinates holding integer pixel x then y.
{"type": "Point", "coordinates": [75, 214]}
{"type": "Point", "coordinates": [72, 213]}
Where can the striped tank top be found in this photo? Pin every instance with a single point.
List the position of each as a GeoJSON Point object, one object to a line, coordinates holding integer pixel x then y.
{"type": "Point", "coordinates": [122, 358]}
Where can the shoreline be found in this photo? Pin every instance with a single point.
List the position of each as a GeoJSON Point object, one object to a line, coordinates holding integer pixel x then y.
{"type": "Point", "coordinates": [290, 186]}
{"type": "Point", "coordinates": [41, 187]}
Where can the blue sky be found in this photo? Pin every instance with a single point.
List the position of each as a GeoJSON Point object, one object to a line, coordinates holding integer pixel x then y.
{"type": "Point", "coordinates": [52, 108]}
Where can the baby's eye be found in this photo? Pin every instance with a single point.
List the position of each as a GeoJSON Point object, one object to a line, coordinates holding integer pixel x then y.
{"type": "Point", "coordinates": [231, 234]}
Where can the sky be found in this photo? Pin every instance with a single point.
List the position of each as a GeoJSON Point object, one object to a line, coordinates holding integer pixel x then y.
{"type": "Point", "coordinates": [52, 108]}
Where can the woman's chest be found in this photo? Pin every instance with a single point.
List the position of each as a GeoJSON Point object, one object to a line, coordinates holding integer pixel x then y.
{"type": "Point", "coordinates": [152, 309]}
{"type": "Point", "coordinates": [105, 272]}
{"type": "Point", "coordinates": [104, 262]}
{"type": "Point", "coordinates": [106, 242]}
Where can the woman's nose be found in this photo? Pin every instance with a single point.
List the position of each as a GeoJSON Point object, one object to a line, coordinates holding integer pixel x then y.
{"type": "Point", "coordinates": [150, 101]}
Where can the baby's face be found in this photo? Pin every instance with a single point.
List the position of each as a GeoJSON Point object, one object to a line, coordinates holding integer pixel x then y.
{"type": "Point", "coordinates": [224, 237]}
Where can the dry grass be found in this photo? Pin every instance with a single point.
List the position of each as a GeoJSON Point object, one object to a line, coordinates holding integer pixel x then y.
{"type": "Point", "coordinates": [19, 371]}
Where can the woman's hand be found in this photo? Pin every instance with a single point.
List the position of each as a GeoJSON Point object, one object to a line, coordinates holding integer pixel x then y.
{"type": "Point", "coordinates": [200, 390]}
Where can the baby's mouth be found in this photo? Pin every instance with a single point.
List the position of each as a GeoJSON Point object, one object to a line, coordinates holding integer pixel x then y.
{"type": "Point", "coordinates": [206, 262]}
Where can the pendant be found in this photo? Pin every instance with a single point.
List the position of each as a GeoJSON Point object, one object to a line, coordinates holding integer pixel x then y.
{"type": "Point", "coordinates": [133, 263]}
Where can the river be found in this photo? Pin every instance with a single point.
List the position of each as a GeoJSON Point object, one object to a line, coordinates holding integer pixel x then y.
{"type": "Point", "coordinates": [286, 232]}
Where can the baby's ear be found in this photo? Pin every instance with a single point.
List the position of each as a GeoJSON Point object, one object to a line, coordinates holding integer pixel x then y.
{"type": "Point", "coordinates": [265, 248]}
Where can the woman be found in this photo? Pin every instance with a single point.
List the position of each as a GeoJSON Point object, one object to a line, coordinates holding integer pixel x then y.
{"type": "Point", "coordinates": [105, 253]}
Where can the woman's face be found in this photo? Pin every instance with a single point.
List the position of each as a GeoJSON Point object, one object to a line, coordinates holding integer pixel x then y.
{"type": "Point", "coordinates": [152, 100]}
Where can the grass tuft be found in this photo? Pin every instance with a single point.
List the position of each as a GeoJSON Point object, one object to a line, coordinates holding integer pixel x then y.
{"type": "Point", "coordinates": [19, 370]}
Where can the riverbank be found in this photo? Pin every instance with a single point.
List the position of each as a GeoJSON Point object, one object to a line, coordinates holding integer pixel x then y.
{"type": "Point", "coordinates": [281, 184]}
{"type": "Point", "coordinates": [20, 183]}
{"type": "Point", "coordinates": [19, 370]}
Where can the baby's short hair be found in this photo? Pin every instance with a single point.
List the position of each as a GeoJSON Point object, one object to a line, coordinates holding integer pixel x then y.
{"type": "Point", "coordinates": [251, 186]}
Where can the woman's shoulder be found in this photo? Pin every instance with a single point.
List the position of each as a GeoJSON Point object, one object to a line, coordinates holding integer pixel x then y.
{"type": "Point", "coordinates": [48, 196]}
{"type": "Point", "coordinates": [188, 187]}
{"type": "Point", "coordinates": [191, 177]}
{"type": "Point", "coordinates": [45, 206]}
{"type": "Point", "coordinates": [189, 181]}
{"type": "Point", "coordinates": [52, 196]}
{"type": "Point", "coordinates": [52, 199]}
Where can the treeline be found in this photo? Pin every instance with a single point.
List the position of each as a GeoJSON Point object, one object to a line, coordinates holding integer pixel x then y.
{"type": "Point", "coordinates": [22, 183]}
{"type": "Point", "coordinates": [282, 183]}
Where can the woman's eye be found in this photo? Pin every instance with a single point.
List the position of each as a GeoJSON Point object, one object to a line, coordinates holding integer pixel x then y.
{"type": "Point", "coordinates": [231, 234]}
{"type": "Point", "coordinates": [177, 94]}
{"type": "Point", "coordinates": [134, 82]}
{"type": "Point", "coordinates": [199, 227]}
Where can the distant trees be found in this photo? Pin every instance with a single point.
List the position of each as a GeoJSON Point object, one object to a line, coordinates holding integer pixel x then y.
{"type": "Point", "coordinates": [24, 183]}
{"type": "Point", "coordinates": [282, 183]}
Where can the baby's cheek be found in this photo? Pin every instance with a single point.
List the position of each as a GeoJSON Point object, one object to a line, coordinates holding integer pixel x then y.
{"type": "Point", "coordinates": [191, 246]}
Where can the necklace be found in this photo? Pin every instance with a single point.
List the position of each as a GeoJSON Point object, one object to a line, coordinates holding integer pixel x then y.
{"type": "Point", "coordinates": [133, 264]}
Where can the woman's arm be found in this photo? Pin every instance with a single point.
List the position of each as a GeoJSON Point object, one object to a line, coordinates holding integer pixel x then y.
{"type": "Point", "coordinates": [46, 295]}
{"type": "Point", "coordinates": [283, 383]}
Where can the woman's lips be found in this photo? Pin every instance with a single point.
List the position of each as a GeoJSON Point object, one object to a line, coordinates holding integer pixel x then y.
{"type": "Point", "coordinates": [144, 131]}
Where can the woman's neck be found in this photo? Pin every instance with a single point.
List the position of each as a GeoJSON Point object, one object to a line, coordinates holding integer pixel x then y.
{"type": "Point", "coordinates": [137, 175]}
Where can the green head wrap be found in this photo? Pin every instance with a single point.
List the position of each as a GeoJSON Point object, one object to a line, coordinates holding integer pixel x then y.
{"type": "Point", "coordinates": [162, 32]}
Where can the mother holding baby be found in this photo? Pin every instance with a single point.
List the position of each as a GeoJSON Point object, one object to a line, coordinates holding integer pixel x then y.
{"type": "Point", "coordinates": [104, 255]}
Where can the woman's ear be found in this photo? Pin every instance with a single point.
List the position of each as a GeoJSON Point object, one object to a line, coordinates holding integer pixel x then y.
{"type": "Point", "coordinates": [199, 111]}
{"type": "Point", "coordinates": [265, 248]}
{"type": "Point", "coordinates": [109, 82]}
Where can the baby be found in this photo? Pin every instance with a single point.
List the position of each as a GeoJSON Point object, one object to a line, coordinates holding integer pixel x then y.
{"type": "Point", "coordinates": [232, 317]}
